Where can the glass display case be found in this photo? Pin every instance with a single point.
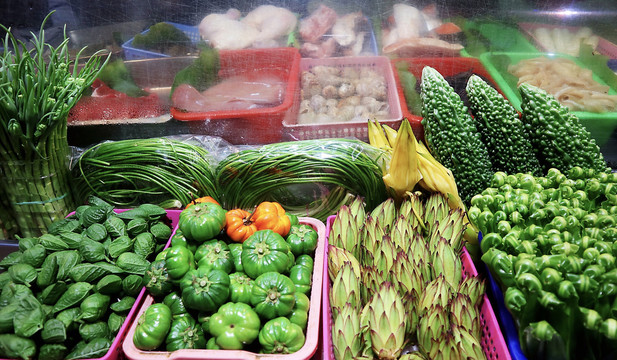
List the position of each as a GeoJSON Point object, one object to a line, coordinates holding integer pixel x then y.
{"type": "Point", "coordinates": [439, 29]}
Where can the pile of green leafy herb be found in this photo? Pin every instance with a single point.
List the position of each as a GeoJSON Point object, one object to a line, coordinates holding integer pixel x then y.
{"type": "Point", "coordinates": [66, 294]}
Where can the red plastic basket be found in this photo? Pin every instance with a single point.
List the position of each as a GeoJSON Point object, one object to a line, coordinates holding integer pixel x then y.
{"type": "Point", "coordinates": [359, 130]}
{"type": "Point", "coordinates": [312, 330]}
{"type": "Point", "coordinates": [492, 341]}
{"type": "Point", "coordinates": [446, 67]}
{"type": "Point", "coordinates": [604, 47]}
{"type": "Point", "coordinates": [252, 126]}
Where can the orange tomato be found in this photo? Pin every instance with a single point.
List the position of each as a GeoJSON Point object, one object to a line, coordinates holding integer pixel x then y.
{"type": "Point", "coordinates": [239, 225]}
{"type": "Point", "coordinates": [271, 215]}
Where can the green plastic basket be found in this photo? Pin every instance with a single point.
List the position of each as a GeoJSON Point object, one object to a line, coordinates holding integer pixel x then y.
{"type": "Point", "coordinates": [600, 125]}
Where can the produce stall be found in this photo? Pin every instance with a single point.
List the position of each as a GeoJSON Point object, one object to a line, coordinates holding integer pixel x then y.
{"type": "Point", "coordinates": [308, 180]}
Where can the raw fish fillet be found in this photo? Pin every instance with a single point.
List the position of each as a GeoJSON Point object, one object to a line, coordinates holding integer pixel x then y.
{"type": "Point", "coordinates": [317, 24]}
{"type": "Point", "coordinates": [235, 93]}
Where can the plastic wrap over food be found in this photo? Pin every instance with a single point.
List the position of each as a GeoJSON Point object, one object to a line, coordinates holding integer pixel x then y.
{"type": "Point", "coordinates": [309, 178]}
{"type": "Point", "coordinates": [169, 170]}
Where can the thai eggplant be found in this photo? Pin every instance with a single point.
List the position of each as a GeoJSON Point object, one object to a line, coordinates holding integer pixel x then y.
{"type": "Point", "coordinates": [550, 243]}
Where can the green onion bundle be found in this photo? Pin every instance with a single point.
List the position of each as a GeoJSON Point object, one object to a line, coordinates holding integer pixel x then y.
{"type": "Point", "coordinates": [309, 178]}
{"type": "Point", "coordinates": [38, 87]}
{"type": "Point", "coordinates": [133, 172]}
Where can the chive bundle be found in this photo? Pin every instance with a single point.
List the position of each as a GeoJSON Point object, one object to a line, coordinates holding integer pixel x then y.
{"type": "Point", "coordinates": [136, 171]}
{"type": "Point", "coordinates": [38, 86]}
{"type": "Point", "coordinates": [283, 171]}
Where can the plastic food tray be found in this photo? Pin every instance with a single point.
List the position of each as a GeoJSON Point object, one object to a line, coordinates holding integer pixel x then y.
{"type": "Point", "coordinates": [500, 37]}
{"type": "Point", "coordinates": [600, 125]}
{"type": "Point", "coordinates": [492, 341]}
{"type": "Point", "coordinates": [115, 350]}
{"type": "Point", "coordinates": [446, 66]}
{"type": "Point", "coordinates": [132, 53]}
{"type": "Point", "coordinates": [604, 47]}
{"type": "Point", "coordinates": [295, 131]}
{"type": "Point", "coordinates": [252, 126]}
{"type": "Point", "coordinates": [312, 330]}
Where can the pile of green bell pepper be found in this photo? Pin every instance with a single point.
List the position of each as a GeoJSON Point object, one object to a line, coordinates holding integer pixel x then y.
{"type": "Point", "coordinates": [213, 293]}
{"type": "Point", "coordinates": [551, 244]}
{"type": "Point", "coordinates": [66, 294]}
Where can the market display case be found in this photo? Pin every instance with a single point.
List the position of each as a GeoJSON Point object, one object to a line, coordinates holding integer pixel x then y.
{"type": "Point", "coordinates": [501, 115]}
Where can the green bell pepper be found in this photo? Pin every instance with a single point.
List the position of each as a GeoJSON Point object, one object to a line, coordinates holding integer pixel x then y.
{"type": "Point", "coordinates": [293, 219]}
{"type": "Point", "coordinates": [234, 325]}
{"type": "Point", "coordinates": [205, 289]}
{"type": "Point", "coordinates": [305, 260]}
{"type": "Point", "coordinates": [265, 251]}
{"type": "Point", "coordinates": [215, 255]}
{"type": "Point", "coordinates": [175, 304]}
{"type": "Point", "coordinates": [185, 333]}
{"type": "Point", "coordinates": [202, 222]}
{"type": "Point", "coordinates": [179, 239]}
{"type": "Point", "coordinates": [299, 314]}
{"type": "Point", "coordinates": [281, 336]}
{"type": "Point", "coordinates": [240, 288]}
{"type": "Point", "coordinates": [235, 249]}
{"type": "Point", "coordinates": [211, 344]}
{"type": "Point", "coordinates": [152, 327]}
{"type": "Point", "coordinates": [157, 280]}
{"type": "Point", "coordinates": [273, 295]}
{"type": "Point", "coordinates": [302, 278]}
{"type": "Point", "coordinates": [302, 239]}
{"type": "Point", "coordinates": [178, 261]}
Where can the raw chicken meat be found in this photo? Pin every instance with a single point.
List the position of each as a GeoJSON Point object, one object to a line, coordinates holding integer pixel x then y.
{"type": "Point", "coordinates": [409, 21]}
{"type": "Point", "coordinates": [319, 50]}
{"type": "Point", "coordinates": [413, 33]}
{"type": "Point", "coordinates": [265, 26]}
{"type": "Point", "coordinates": [224, 31]}
{"type": "Point", "coordinates": [272, 23]}
{"type": "Point", "coordinates": [344, 29]}
{"type": "Point", "coordinates": [240, 92]}
{"type": "Point", "coordinates": [317, 24]}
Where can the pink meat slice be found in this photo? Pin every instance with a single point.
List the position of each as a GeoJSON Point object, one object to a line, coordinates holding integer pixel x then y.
{"type": "Point", "coordinates": [317, 24]}
{"type": "Point", "coordinates": [319, 50]}
{"type": "Point", "coordinates": [235, 93]}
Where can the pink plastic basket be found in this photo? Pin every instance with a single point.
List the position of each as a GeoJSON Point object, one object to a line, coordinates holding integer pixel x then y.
{"type": "Point", "coordinates": [605, 47]}
{"type": "Point", "coordinates": [312, 330]}
{"type": "Point", "coordinates": [492, 341]}
{"type": "Point", "coordinates": [294, 131]}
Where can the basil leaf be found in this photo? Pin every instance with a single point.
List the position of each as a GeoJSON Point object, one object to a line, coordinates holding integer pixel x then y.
{"type": "Point", "coordinates": [14, 347]}
{"type": "Point", "coordinates": [28, 317]}
{"type": "Point", "coordinates": [93, 349]}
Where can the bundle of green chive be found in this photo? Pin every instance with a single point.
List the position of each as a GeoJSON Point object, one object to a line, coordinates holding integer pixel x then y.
{"type": "Point", "coordinates": [38, 87]}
